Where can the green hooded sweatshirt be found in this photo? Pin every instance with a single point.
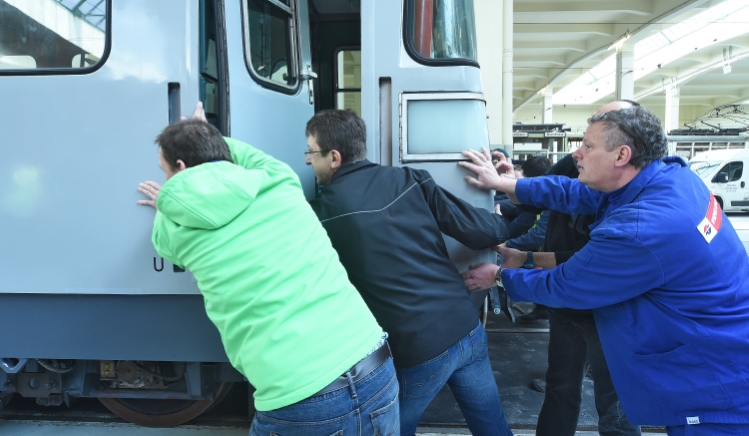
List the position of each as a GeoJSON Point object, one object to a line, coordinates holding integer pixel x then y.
{"type": "Point", "coordinates": [289, 318]}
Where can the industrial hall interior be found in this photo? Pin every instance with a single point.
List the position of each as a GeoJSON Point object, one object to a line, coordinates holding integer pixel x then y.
{"type": "Point", "coordinates": [559, 61]}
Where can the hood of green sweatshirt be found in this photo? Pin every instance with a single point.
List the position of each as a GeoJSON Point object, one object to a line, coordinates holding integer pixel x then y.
{"type": "Point", "coordinates": [210, 195]}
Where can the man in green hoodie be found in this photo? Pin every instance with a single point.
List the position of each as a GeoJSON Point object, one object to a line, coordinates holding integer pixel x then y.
{"type": "Point", "coordinates": [289, 318]}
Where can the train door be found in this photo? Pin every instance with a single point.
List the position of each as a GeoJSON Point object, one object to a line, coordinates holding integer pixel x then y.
{"type": "Point", "coordinates": [271, 78]}
{"type": "Point", "coordinates": [421, 89]}
{"type": "Point", "coordinates": [86, 87]}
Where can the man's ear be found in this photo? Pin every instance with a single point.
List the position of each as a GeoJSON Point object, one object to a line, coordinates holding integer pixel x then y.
{"type": "Point", "coordinates": [336, 160]}
{"type": "Point", "coordinates": [623, 155]}
{"type": "Point", "coordinates": [180, 165]}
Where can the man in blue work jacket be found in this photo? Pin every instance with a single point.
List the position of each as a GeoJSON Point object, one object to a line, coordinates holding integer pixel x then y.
{"type": "Point", "coordinates": [664, 272]}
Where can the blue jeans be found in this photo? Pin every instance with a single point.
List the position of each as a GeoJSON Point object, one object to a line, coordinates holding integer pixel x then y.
{"type": "Point", "coordinates": [368, 407]}
{"type": "Point", "coordinates": [572, 342]}
{"type": "Point", "coordinates": [465, 367]}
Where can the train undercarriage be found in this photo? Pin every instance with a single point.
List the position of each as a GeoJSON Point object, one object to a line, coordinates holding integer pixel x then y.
{"type": "Point", "coordinates": [152, 394]}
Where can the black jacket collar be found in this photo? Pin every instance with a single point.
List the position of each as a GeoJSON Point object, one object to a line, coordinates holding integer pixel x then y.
{"type": "Point", "coordinates": [350, 168]}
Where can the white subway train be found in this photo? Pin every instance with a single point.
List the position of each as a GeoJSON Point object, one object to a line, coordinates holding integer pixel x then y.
{"type": "Point", "coordinates": [87, 308]}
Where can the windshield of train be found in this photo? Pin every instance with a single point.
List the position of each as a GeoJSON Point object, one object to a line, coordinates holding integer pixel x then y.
{"type": "Point", "coordinates": [703, 168]}
{"type": "Point", "coordinates": [57, 34]}
{"type": "Point", "coordinates": [442, 29]}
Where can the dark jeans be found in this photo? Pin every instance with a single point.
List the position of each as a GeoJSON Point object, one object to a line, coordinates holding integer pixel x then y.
{"type": "Point", "coordinates": [369, 407]}
{"type": "Point", "coordinates": [572, 342]}
{"type": "Point", "coordinates": [465, 367]}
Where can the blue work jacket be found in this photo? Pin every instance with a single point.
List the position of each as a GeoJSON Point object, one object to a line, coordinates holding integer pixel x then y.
{"type": "Point", "coordinates": [668, 281]}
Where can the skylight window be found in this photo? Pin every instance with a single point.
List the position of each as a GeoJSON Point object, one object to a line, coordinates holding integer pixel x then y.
{"type": "Point", "coordinates": [719, 23]}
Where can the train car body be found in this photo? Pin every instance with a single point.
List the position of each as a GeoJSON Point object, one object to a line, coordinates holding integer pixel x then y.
{"type": "Point", "coordinates": [88, 307]}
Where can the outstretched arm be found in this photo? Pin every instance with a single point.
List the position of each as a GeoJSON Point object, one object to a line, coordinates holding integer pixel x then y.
{"type": "Point", "coordinates": [488, 173]}
{"type": "Point", "coordinates": [534, 237]}
{"type": "Point", "coordinates": [473, 227]}
{"type": "Point", "coordinates": [482, 276]}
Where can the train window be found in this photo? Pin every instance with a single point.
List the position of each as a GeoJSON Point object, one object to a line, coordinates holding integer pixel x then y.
{"type": "Point", "coordinates": [436, 127]}
{"type": "Point", "coordinates": [52, 36]}
{"type": "Point", "coordinates": [270, 42]}
{"type": "Point", "coordinates": [210, 74]}
{"type": "Point", "coordinates": [348, 80]}
{"type": "Point", "coordinates": [441, 31]}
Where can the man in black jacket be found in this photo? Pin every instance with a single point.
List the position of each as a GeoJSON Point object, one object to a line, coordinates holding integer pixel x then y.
{"type": "Point", "coordinates": [386, 224]}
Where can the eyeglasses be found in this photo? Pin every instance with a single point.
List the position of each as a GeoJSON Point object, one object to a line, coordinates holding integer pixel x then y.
{"type": "Point", "coordinates": [309, 152]}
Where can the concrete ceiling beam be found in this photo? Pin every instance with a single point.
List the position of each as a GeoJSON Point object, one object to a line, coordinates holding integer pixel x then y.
{"type": "Point", "coordinates": [634, 7]}
{"type": "Point", "coordinates": [604, 34]}
{"type": "Point", "coordinates": [531, 46]}
{"type": "Point", "coordinates": [602, 29]}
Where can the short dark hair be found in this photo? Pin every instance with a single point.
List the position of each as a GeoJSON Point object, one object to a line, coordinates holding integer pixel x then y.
{"type": "Point", "coordinates": [194, 142]}
{"type": "Point", "coordinates": [341, 130]}
{"type": "Point", "coordinates": [536, 166]}
{"type": "Point", "coordinates": [636, 127]}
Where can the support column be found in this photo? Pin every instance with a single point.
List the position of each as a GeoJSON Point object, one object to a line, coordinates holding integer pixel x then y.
{"type": "Point", "coordinates": [548, 106]}
{"type": "Point", "coordinates": [625, 71]}
{"type": "Point", "coordinates": [507, 29]}
{"type": "Point", "coordinates": [489, 42]}
{"type": "Point", "coordinates": [672, 109]}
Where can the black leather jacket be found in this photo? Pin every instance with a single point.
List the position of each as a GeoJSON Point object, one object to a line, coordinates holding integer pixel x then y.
{"type": "Point", "coordinates": [386, 224]}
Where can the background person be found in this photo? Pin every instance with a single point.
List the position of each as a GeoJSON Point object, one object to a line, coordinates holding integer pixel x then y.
{"type": "Point", "coordinates": [664, 272]}
{"type": "Point", "coordinates": [528, 228]}
{"type": "Point", "coordinates": [386, 224]}
{"type": "Point", "coordinates": [272, 285]}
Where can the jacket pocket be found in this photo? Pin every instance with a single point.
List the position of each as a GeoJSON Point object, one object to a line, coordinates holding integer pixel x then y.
{"type": "Point", "coordinates": [683, 380]}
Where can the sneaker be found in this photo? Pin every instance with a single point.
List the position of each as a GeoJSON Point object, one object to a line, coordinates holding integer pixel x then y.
{"type": "Point", "coordinates": [538, 385]}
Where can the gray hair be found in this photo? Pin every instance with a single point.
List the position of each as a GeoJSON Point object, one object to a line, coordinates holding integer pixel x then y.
{"type": "Point", "coordinates": [636, 127]}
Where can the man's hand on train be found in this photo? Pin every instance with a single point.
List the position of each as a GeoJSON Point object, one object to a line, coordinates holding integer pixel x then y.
{"type": "Point", "coordinates": [481, 164]}
{"type": "Point", "coordinates": [487, 176]}
{"type": "Point", "coordinates": [480, 276]}
{"type": "Point", "coordinates": [199, 112]}
{"type": "Point", "coordinates": [151, 190]}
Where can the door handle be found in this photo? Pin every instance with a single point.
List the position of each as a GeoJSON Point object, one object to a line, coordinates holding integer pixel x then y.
{"type": "Point", "coordinates": [309, 75]}
{"type": "Point", "coordinates": [743, 184]}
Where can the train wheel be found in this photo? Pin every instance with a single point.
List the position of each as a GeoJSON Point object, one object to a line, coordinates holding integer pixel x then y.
{"type": "Point", "coordinates": [163, 413]}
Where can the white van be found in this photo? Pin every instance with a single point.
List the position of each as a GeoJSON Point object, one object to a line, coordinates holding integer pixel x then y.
{"type": "Point", "coordinates": [723, 172]}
